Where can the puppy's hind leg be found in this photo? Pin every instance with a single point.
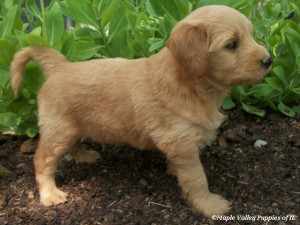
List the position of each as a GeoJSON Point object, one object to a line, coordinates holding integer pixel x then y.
{"type": "Point", "coordinates": [82, 155]}
{"type": "Point", "coordinates": [52, 146]}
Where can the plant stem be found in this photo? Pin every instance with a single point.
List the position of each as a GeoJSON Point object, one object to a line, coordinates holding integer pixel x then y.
{"type": "Point", "coordinates": [102, 32]}
{"type": "Point", "coordinates": [137, 6]}
{"type": "Point", "coordinates": [44, 19]}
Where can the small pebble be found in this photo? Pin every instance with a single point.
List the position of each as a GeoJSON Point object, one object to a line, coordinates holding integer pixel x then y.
{"type": "Point", "coordinates": [30, 195]}
{"type": "Point", "coordinates": [20, 165]}
{"type": "Point", "coordinates": [259, 143]}
{"type": "Point", "coordinates": [143, 182]}
{"type": "Point", "coordinates": [277, 211]}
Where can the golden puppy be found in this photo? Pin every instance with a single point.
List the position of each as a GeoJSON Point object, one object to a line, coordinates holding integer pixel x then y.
{"type": "Point", "coordinates": [169, 101]}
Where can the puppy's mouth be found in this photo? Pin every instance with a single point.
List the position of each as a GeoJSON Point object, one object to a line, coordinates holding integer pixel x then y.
{"type": "Point", "coordinates": [263, 72]}
{"type": "Point", "coordinates": [257, 78]}
{"type": "Point", "coordinates": [249, 77]}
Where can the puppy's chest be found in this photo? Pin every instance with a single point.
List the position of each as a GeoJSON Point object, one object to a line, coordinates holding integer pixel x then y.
{"type": "Point", "coordinates": [174, 128]}
{"type": "Point", "coordinates": [207, 119]}
{"type": "Point", "coordinates": [204, 130]}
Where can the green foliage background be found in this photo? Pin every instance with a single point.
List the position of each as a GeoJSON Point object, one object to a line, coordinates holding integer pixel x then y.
{"type": "Point", "coordinates": [134, 29]}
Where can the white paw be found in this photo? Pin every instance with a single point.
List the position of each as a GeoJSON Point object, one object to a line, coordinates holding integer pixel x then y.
{"type": "Point", "coordinates": [54, 197]}
{"type": "Point", "coordinates": [213, 205]}
{"type": "Point", "coordinates": [86, 156]}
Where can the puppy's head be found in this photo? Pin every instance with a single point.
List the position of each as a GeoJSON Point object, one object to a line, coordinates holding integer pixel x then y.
{"type": "Point", "coordinates": [217, 42]}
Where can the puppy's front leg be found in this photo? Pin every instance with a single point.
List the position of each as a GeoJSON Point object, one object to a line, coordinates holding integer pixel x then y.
{"type": "Point", "coordinates": [191, 177]}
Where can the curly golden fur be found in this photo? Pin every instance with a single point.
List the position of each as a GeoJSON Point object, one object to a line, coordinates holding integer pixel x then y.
{"type": "Point", "coordinates": [169, 101]}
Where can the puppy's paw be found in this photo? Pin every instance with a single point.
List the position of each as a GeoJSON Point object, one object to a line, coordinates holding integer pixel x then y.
{"type": "Point", "coordinates": [86, 156]}
{"type": "Point", "coordinates": [54, 197]}
{"type": "Point", "coordinates": [213, 205]}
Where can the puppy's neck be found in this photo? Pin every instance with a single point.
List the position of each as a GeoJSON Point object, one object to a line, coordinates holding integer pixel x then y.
{"type": "Point", "coordinates": [192, 98]}
{"type": "Point", "coordinates": [212, 88]}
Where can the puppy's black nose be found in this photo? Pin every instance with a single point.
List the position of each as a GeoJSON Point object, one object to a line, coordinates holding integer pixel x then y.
{"type": "Point", "coordinates": [266, 63]}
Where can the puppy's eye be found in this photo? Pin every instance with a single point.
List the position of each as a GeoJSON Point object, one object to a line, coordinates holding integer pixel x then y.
{"type": "Point", "coordinates": [232, 45]}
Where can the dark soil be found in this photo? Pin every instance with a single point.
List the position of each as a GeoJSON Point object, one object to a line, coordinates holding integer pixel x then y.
{"type": "Point", "coordinates": [128, 186]}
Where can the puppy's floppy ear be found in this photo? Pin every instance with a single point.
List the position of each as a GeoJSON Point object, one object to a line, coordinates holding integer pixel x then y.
{"type": "Point", "coordinates": [189, 45]}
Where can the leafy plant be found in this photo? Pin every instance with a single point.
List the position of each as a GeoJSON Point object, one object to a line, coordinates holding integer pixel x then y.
{"type": "Point", "coordinates": [277, 27]}
{"type": "Point", "coordinates": [134, 29]}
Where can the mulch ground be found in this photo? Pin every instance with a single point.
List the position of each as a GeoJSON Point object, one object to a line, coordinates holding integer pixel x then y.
{"type": "Point", "coordinates": [128, 186]}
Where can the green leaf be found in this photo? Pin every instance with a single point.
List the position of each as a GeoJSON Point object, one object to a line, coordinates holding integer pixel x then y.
{"type": "Point", "coordinates": [118, 29]}
{"type": "Point", "coordinates": [37, 31]}
{"type": "Point", "coordinates": [33, 9]}
{"type": "Point", "coordinates": [244, 8]}
{"type": "Point", "coordinates": [276, 10]}
{"type": "Point", "coordinates": [261, 90]}
{"type": "Point", "coordinates": [54, 24]}
{"type": "Point", "coordinates": [296, 109]}
{"type": "Point", "coordinates": [8, 119]}
{"type": "Point", "coordinates": [4, 75]}
{"type": "Point", "coordinates": [176, 10]}
{"type": "Point", "coordinates": [85, 50]}
{"type": "Point", "coordinates": [298, 61]}
{"type": "Point", "coordinates": [136, 47]}
{"type": "Point", "coordinates": [18, 25]}
{"type": "Point", "coordinates": [26, 93]}
{"type": "Point", "coordinates": [280, 73]}
{"type": "Point", "coordinates": [36, 40]}
{"type": "Point", "coordinates": [83, 32]}
{"type": "Point", "coordinates": [296, 90]}
{"type": "Point", "coordinates": [275, 83]}
{"type": "Point", "coordinates": [253, 110]}
{"type": "Point", "coordinates": [228, 103]}
{"type": "Point", "coordinates": [157, 45]}
{"type": "Point", "coordinates": [280, 49]}
{"type": "Point", "coordinates": [8, 22]}
{"type": "Point", "coordinates": [275, 40]}
{"type": "Point", "coordinates": [32, 131]}
{"type": "Point", "coordinates": [286, 110]}
{"type": "Point", "coordinates": [80, 11]}
{"type": "Point", "coordinates": [238, 93]}
{"type": "Point", "coordinates": [149, 9]}
{"type": "Point", "coordinates": [131, 19]}
{"type": "Point", "coordinates": [101, 6]}
{"type": "Point", "coordinates": [109, 12]}
{"type": "Point", "coordinates": [268, 10]}
{"type": "Point", "coordinates": [33, 79]}
{"type": "Point", "coordinates": [68, 48]}
{"type": "Point", "coordinates": [141, 17]}
{"type": "Point", "coordinates": [271, 104]}
{"type": "Point", "coordinates": [296, 9]}
{"type": "Point", "coordinates": [21, 36]}
{"type": "Point", "coordinates": [7, 49]}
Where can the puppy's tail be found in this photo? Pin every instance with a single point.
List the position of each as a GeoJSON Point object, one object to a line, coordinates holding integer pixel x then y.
{"type": "Point", "coordinates": [47, 58]}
